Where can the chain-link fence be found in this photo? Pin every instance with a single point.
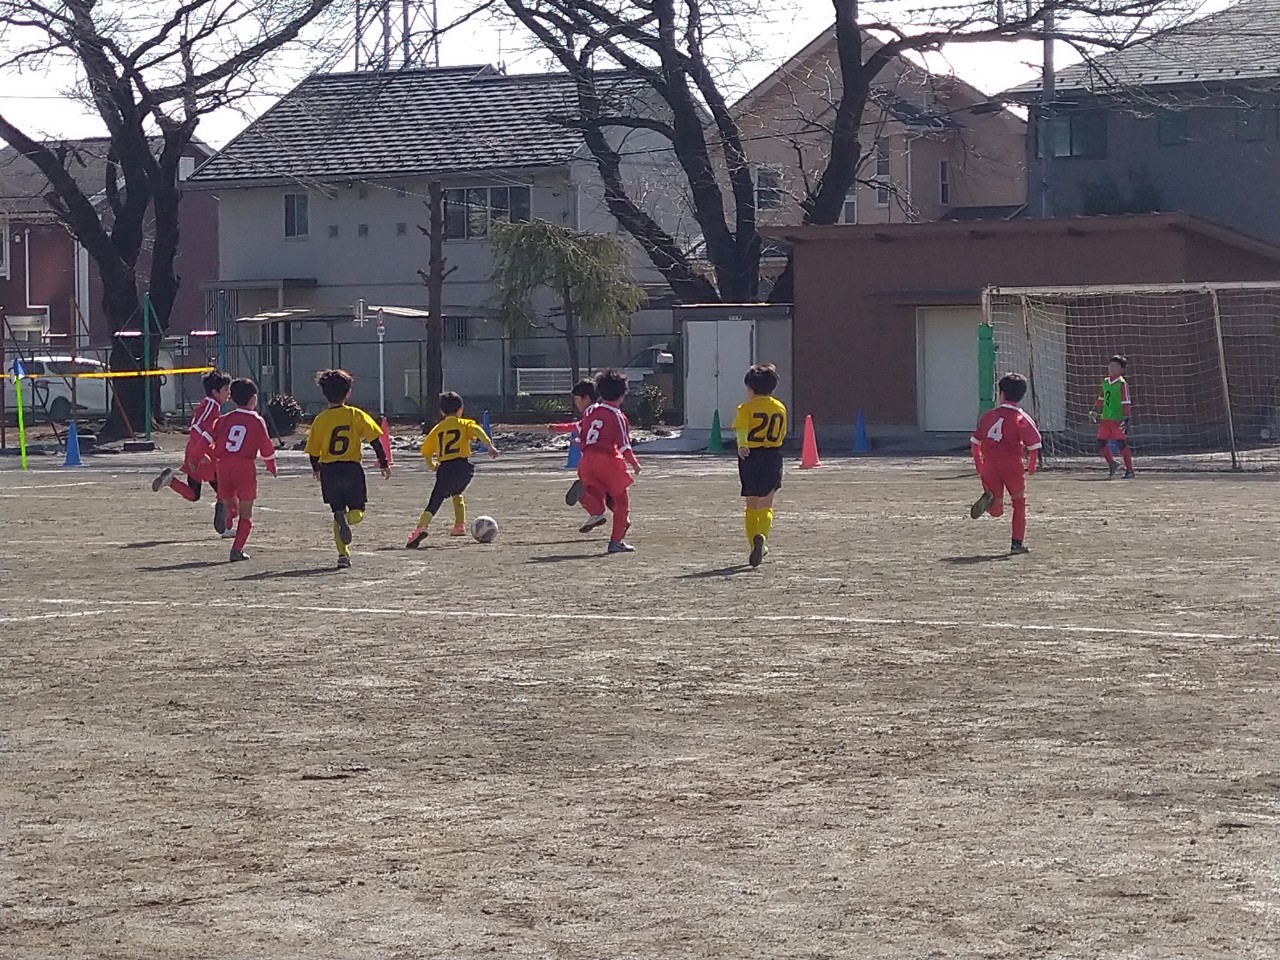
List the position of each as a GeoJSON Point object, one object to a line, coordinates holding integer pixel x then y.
{"type": "Point", "coordinates": [501, 375]}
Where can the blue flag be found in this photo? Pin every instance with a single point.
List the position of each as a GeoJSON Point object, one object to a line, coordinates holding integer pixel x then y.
{"type": "Point", "coordinates": [18, 371]}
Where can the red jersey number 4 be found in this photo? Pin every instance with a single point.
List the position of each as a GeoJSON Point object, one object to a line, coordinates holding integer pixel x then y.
{"type": "Point", "coordinates": [1006, 431]}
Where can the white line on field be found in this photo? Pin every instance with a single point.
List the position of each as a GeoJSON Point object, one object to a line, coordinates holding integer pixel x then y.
{"type": "Point", "coordinates": [690, 618]}
{"type": "Point", "coordinates": [51, 616]}
{"type": "Point", "coordinates": [50, 486]}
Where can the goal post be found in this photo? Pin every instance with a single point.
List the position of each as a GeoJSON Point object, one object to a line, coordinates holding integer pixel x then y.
{"type": "Point", "coordinates": [1203, 366]}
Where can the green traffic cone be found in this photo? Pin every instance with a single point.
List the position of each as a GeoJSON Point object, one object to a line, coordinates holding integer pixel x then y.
{"type": "Point", "coordinates": [716, 444]}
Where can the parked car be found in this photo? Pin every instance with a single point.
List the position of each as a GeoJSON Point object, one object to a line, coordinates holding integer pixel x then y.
{"type": "Point", "coordinates": [46, 388]}
{"type": "Point", "coordinates": [650, 360]}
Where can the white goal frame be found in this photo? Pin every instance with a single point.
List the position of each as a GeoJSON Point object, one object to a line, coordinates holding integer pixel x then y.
{"type": "Point", "coordinates": [1235, 385]}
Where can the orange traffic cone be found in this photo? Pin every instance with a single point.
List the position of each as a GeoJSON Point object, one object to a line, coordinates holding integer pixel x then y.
{"type": "Point", "coordinates": [809, 448]}
{"type": "Point", "coordinates": [386, 442]}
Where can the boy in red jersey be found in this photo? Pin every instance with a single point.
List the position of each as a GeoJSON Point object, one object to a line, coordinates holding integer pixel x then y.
{"type": "Point", "coordinates": [1002, 434]}
{"type": "Point", "coordinates": [196, 462]}
{"type": "Point", "coordinates": [605, 437]}
{"type": "Point", "coordinates": [238, 438]}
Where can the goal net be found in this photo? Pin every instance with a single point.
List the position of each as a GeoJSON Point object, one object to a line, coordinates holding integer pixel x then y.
{"type": "Point", "coordinates": [1203, 371]}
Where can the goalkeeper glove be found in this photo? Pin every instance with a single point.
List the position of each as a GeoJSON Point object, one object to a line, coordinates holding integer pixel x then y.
{"type": "Point", "coordinates": [1124, 424]}
{"type": "Point", "coordinates": [1093, 416]}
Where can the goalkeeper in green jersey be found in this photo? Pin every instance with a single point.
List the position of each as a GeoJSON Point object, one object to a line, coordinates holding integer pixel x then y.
{"type": "Point", "coordinates": [1111, 414]}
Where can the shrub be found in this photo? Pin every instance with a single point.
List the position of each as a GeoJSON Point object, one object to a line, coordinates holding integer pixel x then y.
{"type": "Point", "coordinates": [285, 413]}
{"type": "Point", "coordinates": [651, 404]}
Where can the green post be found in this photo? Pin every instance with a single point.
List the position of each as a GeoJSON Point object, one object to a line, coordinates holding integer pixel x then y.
{"type": "Point", "coordinates": [148, 316]}
{"type": "Point", "coordinates": [986, 369]}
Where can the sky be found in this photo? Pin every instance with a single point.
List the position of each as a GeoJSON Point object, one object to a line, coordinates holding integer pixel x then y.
{"type": "Point", "coordinates": [33, 102]}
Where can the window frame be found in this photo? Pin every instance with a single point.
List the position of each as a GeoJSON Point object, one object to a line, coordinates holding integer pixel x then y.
{"type": "Point", "coordinates": [4, 247]}
{"type": "Point", "coordinates": [850, 199]}
{"type": "Point", "coordinates": [1075, 124]}
{"type": "Point", "coordinates": [776, 194]}
{"type": "Point", "coordinates": [944, 182]}
{"type": "Point", "coordinates": [468, 221]}
{"type": "Point", "coordinates": [305, 232]}
{"type": "Point", "coordinates": [1172, 127]}
{"type": "Point", "coordinates": [883, 178]}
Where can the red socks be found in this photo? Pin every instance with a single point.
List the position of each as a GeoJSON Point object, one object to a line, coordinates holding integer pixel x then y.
{"type": "Point", "coordinates": [1020, 519]}
{"type": "Point", "coordinates": [621, 516]}
{"type": "Point", "coordinates": [243, 527]}
{"type": "Point", "coordinates": [181, 488]}
{"type": "Point", "coordinates": [1128, 457]}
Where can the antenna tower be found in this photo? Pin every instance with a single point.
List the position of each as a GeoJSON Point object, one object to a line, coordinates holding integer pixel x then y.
{"type": "Point", "coordinates": [396, 34]}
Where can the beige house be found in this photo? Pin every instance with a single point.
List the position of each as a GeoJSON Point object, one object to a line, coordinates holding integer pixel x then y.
{"type": "Point", "coordinates": [934, 148]}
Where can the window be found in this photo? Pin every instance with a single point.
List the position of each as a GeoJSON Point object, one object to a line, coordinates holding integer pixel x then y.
{"type": "Point", "coordinates": [295, 215]}
{"type": "Point", "coordinates": [362, 230]}
{"type": "Point", "coordinates": [884, 171]}
{"type": "Point", "coordinates": [1080, 133]}
{"type": "Point", "coordinates": [944, 182]}
{"type": "Point", "coordinates": [849, 212]}
{"type": "Point", "coordinates": [186, 167]}
{"type": "Point", "coordinates": [1251, 124]}
{"type": "Point", "coordinates": [401, 229]}
{"type": "Point", "coordinates": [333, 231]}
{"type": "Point", "coordinates": [1171, 127]}
{"type": "Point", "coordinates": [768, 188]}
{"type": "Point", "coordinates": [468, 213]}
{"type": "Point", "coordinates": [457, 331]}
{"type": "Point", "coordinates": [4, 248]}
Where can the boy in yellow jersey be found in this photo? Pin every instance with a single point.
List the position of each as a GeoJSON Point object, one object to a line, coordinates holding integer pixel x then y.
{"type": "Point", "coordinates": [447, 450]}
{"type": "Point", "coordinates": [761, 427]}
{"type": "Point", "coordinates": [334, 448]}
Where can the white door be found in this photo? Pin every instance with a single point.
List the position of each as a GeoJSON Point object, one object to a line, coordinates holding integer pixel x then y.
{"type": "Point", "coordinates": [948, 367]}
{"type": "Point", "coordinates": [717, 354]}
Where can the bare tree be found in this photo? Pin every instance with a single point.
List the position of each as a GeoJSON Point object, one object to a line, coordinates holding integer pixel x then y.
{"type": "Point", "coordinates": [150, 72]}
{"type": "Point", "coordinates": [677, 48]}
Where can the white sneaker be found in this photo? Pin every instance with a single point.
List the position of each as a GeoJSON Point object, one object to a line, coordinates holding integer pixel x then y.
{"type": "Point", "coordinates": [229, 533]}
{"type": "Point", "coordinates": [593, 522]}
{"type": "Point", "coordinates": [162, 481]}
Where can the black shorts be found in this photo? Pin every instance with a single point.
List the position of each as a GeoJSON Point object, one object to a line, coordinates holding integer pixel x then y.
{"type": "Point", "coordinates": [452, 477]}
{"type": "Point", "coordinates": [342, 485]}
{"type": "Point", "coordinates": [761, 471]}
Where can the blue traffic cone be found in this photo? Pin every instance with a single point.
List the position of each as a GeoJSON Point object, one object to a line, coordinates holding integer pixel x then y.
{"type": "Point", "coordinates": [73, 447]}
{"type": "Point", "coordinates": [575, 452]}
{"type": "Point", "coordinates": [861, 442]}
{"type": "Point", "coordinates": [486, 426]}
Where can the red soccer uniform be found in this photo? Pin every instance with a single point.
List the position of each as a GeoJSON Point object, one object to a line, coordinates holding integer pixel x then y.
{"type": "Point", "coordinates": [199, 439]}
{"type": "Point", "coordinates": [1002, 434]}
{"type": "Point", "coordinates": [605, 437]}
{"type": "Point", "coordinates": [238, 438]}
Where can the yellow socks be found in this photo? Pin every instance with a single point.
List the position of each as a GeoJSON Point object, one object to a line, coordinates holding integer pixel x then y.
{"type": "Point", "coordinates": [425, 519]}
{"type": "Point", "coordinates": [759, 521]}
{"type": "Point", "coordinates": [343, 549]}
{"type": "Point", "coordinates": [765, 523]}
{"type": "Point", "coordinates": [354, 516]}
{"type": "Point", "coordinates": [459, 511]}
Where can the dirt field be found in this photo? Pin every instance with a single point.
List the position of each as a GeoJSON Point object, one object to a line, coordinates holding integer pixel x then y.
{"type": "Point", "coordinates": [891, 741]}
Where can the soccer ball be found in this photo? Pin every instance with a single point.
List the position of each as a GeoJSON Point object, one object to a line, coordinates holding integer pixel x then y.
{"type": "Point", "coordinates": [484, 529]}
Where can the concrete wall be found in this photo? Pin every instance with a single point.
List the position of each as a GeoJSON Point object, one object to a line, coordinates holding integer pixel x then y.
{"type": "Point", "coordinates": [1215, 173]}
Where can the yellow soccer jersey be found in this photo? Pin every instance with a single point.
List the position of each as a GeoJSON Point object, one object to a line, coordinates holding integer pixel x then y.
{"type": "Point", "coordinates": [451, 438]}
{"type": "Point", "coordinates": [761, 422]}
{"type": "Point", "coordinates": [337, 432]}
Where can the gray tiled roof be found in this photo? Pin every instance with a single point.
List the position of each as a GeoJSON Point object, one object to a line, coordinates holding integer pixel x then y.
{"type": "Point", "coordinates": [23, 186]}
{"type": "Point", "coordinates": [411, 122]}
{"type": "Point", "coordinates": [1239, 44]}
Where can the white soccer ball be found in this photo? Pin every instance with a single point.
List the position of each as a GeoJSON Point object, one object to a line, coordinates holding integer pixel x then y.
{"type": "Point", "coordinates": [484, 529]}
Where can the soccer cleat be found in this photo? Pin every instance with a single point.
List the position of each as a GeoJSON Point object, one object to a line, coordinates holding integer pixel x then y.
{"type": "Point", "coordinates": [238, 555]}
{"type": "Point", "coordinates": [1129, 474]}
{"type": "Point", "coordinates": [344, 563]}
{"type": "Point", "coordinates": [592, 522]}
{"type": "Point", "coordinates": [229, 533]}
{"type": "Point", "coordinates": [344, 528]}
{"type": "Point", "coordinates": [757, 550]}
{"type": "Point", "coordinates": [162, 481]}
{"type": "Point", "coordinates": [220, 517]}
{"type": "Point", "coordinates": [620, 546]}
{"type": "Point", "coordinates": [982, 504]}
{"type": "Point", "coordinates": [1017, 546]}
{"type": "Point", "coordinates": [574, 495]}
{"type": "Point", "coordinates": [459, 530]}
{"type": "Point", "coordinates": [1111, 470]}
{"type": "Point", "coordinates": [416, 537]}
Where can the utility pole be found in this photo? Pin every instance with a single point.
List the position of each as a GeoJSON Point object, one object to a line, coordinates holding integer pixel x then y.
{"type": "Point", "coordinates": [435, 292]}
{"type": "Point", "coordinates": [1047, 93]}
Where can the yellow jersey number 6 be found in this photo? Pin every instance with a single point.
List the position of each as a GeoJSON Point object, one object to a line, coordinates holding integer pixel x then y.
{"type": "Point", "coordinates": [340, 440]}
{"type": "Point", "coordinates": [766, 428]}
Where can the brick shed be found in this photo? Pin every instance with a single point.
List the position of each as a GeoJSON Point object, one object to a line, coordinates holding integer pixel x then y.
{"type": "Point", "coordinates": [885, 316]}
